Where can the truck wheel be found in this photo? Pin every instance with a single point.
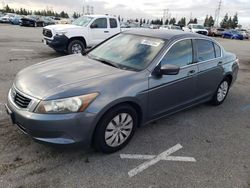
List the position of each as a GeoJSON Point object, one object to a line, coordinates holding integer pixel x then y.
{"type": "Point", "coordinates": [76, 47]}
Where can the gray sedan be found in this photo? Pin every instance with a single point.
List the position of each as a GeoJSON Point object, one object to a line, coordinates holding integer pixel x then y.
{"type": "Point", "coordinates": [130, 80]}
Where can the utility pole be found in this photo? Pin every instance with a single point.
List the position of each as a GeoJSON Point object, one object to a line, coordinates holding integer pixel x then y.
{"type": "Point", "coordinates": [3, 4]}
{"type": "Point", "coordinates": [83, 8]}
{"type": "Point", "coordinates": [165, 16]}
{"type": "Point", "coordinates": [217, 13]}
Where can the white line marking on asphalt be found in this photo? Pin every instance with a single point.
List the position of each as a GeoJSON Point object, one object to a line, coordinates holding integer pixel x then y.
{"type": "Point", "coordinates": [153, 159]}
{"type": "Point", "coordinates": [21, 50]}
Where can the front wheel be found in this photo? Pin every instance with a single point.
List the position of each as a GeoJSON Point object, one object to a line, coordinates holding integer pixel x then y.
{"type": "Point", "coordinates": [221, 92]}
{"type": "Point", "coordinates": [115, 129]}
{"type": "Point", "coordinates": [76, 47]}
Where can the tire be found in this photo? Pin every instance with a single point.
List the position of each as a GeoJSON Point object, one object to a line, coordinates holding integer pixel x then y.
{"type": "Point", "coordinates": [221, 92]}
{"type": "Point", "coordinates": [115, 129]}
{"type": "Point", "coordinates": [76, 47]}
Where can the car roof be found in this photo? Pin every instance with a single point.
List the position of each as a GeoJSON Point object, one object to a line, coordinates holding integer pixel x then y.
{"type": "Point", "coordinates": [164, 34]}
{"type": "Point", "coordinates": [100, 15]}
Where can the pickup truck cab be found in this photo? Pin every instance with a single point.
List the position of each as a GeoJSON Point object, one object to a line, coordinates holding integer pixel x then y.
{"type": "Point", "coordinates": [84, 32]}
{"type": "Point", "coordinates": [196, 28]}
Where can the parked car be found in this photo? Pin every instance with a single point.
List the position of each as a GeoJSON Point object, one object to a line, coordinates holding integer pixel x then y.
{"type": "Point", "coordinates": [217, 32]}
{"type": "Point", "coordinates": [171, 27]}
{"type": "Point", "coordinates": [196, 28]}
{"type": "Point", "coordinates": [86, 31]}
{"type": "Point", "coordinates": [48, 21]}
{"type": "Point", "coordinates": [64, 21]}
{"type": "Point", "coordinates": [133, 78]}
{"type": "Point", "coordinates": [6, 18]}
{"type": "Point", "coordinates": [232, 34]}
{"type": "Point", "coordinates": [16, 20]}
{"type": "Point", "coordinates": [32, 21]}
{"type": "Point", "coordinates": [244, 32]}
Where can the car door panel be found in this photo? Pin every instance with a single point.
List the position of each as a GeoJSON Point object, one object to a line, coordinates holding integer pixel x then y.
{"type": "Point", "coordinates": [172, 92]}
{"type": "Point", "coordinates": [210, 71]}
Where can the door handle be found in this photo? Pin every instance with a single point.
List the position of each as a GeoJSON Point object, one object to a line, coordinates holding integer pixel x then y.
{"type": "Point", "coordinates": [191, 72]}
{"type": "Point", "coordinates": [220, 63]}
{"type": "Point", "coordinates": [106, 31]}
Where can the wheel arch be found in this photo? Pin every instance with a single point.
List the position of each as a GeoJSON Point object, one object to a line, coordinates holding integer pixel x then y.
{"type": "Point", "coordinates": [133, 103]}
{"type": "Point", "coordinates": [82, 39]}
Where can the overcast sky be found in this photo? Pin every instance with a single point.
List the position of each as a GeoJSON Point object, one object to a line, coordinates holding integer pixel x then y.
{"type": "Point", "coordinates": [145, 8]}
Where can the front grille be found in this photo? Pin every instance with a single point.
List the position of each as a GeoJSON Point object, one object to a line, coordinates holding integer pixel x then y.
{"type": "Point", "coordinates": [21, 101]}
{"type": "Point", "coordinates": [47, 33]}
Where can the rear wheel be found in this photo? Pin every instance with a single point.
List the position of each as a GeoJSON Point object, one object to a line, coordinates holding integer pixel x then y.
{"type": "Point", "coordinates": [76, 47]}
{"type": "Point", "coordinates": [221, 92]}
{"type": "Point", "coordinates": [115, 129]}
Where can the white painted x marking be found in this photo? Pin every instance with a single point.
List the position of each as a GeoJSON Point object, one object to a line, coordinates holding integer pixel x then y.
{"type": "Point", "coordinates": [153, 159]}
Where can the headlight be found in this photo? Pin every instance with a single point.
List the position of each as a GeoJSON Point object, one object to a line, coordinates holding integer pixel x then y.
{"type": "Point", "coordinates": [67, 105]}
{"type": "Point", "coordinates": [61, 33]}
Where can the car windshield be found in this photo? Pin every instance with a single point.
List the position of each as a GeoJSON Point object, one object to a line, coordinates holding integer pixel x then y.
{"type": "Point", "coordinates": [128, 51]}
{"type": "Point", "coordinates": [198, 27]}
{"type": "Point", "coordinates": [176, 27]}
{"type": "Point", "coordinates": [235, 32]}
{"type": "Point", "coordinates": [82, 21]}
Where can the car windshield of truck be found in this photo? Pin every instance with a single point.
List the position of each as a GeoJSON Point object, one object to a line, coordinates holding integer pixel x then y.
{"type": "Point", "coordinates": [128, 51]}
{"type": "Point", "coordinates": [82, 21]}
{"type": "Point", "coordinates": [198, 27]}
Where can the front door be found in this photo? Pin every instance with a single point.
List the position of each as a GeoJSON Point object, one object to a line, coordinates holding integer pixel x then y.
{"type": "Point", "coordinates": [99, 31]}
{"type": "Point", "coordinates": [169, 93]}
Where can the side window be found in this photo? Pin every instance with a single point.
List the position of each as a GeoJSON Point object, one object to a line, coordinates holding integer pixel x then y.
{"type": "Point", "coordinates": [113, 23]}
{"type": "Point", "coordinates": [99, 23]}
{"type": "Point", "coordinates": [205, 50]}
{"type": "Point", "coordinates": [180, 54]}
{"type": "Point", "coordinates": [217, 50]}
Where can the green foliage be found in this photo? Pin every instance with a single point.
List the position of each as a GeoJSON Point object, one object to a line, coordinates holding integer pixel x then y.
{"type": "Point", "coordinates": [23, 11]}
{"type": "Point", "coordinates": [209, 21]}
{"type": "Point", "coordinates": [193, 21]}
{"type": "Point", "coordinates": [228, 22]}
{"type": "Point", "coordinates": [76, 15]}
{"type": "Point", "coordinates": [182, 22]}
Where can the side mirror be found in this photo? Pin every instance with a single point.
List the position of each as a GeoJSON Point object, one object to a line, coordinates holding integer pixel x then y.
{"type": "Point", "coordinates": [93, 26]}
{"type": "Point", "coordinates": [168, 69]}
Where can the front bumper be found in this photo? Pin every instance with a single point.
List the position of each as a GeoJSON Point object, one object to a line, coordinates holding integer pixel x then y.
{"type": "Point", "coordinates": [59, 42]}
{"type": "Point", "coordinates": [55, 129]}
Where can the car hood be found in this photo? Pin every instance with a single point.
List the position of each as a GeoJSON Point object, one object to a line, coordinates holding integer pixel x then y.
{"type": "Point", "coordinates": [63, 27]}
{"type": "Point", "coordinates": [199, 30]}
{"type": "Point", "coordinates": [48, 77]}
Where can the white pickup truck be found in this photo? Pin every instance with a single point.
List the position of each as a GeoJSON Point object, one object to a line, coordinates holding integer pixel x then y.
{"type": "Point", "coordinates": [84, 32]}
{"type": "Point", "coordinates": [196, 28]}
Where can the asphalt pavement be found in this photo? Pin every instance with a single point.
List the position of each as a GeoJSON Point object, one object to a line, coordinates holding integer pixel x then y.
{"type": "Point", "coordinates": [202, 147]}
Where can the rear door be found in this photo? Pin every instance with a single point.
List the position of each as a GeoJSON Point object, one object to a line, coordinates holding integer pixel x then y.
{"type": "Point", "coordinates": [172, 92]}
{"type": "Point", "coordinates": [209, 61]}
{"type": "Point", "coordinates": [114, 27]}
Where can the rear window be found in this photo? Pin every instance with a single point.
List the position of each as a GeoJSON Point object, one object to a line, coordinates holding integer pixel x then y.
{"type": "Point", "coordinates": [113, 23]}
{"type": "Point", "coordinates": [217, 50]}
{"type": "Point", "coordinates": [205, 50]}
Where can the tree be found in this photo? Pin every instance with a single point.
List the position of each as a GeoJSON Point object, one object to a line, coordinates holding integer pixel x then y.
{"type": "Point", "coordinates": [235, 20]}
{"type": "Point", "coordinates": [166, 22]}
{"type": "Point", "coordinates": [76, 15]}
{"type": "Point", "coordinates": [209, 21]}
{"type": "Point", "coordinates": [224, 22]}
{"type": "Point", "coordinates": [195, 21]}
{"type": "Point", "coordinates": [172, 21]}
{"type": "Point", "coordinates": [182, 22]}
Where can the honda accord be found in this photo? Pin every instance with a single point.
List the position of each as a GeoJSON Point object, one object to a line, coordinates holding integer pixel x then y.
{"type": "Point", "coordinates": [127, 81]}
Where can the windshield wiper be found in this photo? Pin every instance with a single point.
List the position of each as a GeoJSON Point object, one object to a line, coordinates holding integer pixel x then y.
{"type": "Point", "coordinates": [105, 62]}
